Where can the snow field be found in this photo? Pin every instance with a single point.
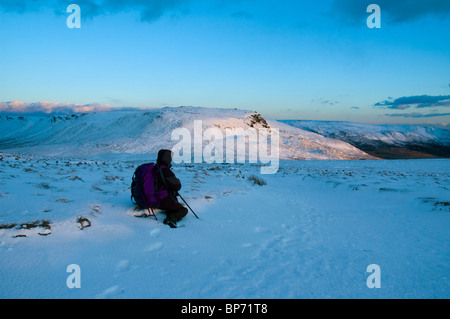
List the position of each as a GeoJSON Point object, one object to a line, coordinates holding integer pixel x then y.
{"type": "Point", "coordinates": [310, 232]}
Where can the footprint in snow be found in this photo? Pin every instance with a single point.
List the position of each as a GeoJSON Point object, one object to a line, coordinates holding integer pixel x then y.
{"type": "Point", "coordinates": [155, 232]}
{"type": "Point", "coordinates": [124, 265]}
{"type": "Point", "coordinates": [154, 247]}
{"type": "Point", "coordinates": [109, 293]}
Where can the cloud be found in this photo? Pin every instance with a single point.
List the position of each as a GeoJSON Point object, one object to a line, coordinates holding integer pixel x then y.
{"type": "Point", "coordinates": [24, 6]}
{"type": "Point", "coordinates": [419, 101]}
{"type": "Point", "coordinates": [150, 10]}
{"type": "Point", "coordinates": [44, 107]}
{"type": "Point", "coordinates": [417, 115]}
{"type": "Point", "coordinates": [324, 101]}
{"type": "Point", "coordinates": [352, 12]}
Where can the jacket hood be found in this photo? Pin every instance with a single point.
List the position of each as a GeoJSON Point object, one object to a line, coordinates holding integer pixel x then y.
{"type": "Point", "coordinates": [164, 157]}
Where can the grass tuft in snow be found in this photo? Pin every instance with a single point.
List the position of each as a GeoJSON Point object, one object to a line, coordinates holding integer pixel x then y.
{"type": "Point", "coordinates": [34, 224]}
{"type": "Point", "coordinates": [257, 180]}
{"type": "Point", "coordinates": [84, 222]}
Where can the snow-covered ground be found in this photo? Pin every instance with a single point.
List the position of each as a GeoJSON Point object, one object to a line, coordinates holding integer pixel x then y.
{"type": "Point", "coordinates": [310, 232]}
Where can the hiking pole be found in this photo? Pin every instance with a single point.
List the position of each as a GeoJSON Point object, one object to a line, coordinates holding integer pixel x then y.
{"type": "Point", "coordinates": [152, 213]}
{"type": "Point", "coordinates": [178, 194]}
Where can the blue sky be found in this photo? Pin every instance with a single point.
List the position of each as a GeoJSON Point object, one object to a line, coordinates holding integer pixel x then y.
{"type": "Point", "coordinates": [313, 60]}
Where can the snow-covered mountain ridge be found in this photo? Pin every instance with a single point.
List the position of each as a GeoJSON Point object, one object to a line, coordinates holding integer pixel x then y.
{"type": "Point", "coordinates": [145, 132]}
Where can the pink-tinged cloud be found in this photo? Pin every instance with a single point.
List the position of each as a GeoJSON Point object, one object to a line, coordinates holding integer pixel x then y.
{"type": "Point", "coordinates": [45, 107]}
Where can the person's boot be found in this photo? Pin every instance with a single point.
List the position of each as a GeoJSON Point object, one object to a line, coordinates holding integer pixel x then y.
{"type": "Point", "coordinates": [169, 221]}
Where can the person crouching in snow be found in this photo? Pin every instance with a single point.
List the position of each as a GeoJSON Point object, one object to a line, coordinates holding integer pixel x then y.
{"type": "Point", "coordinates": [167, 179]}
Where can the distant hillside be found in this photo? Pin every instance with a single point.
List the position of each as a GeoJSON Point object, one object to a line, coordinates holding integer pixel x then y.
{"type": "Point", "coordinates": [384, 141]}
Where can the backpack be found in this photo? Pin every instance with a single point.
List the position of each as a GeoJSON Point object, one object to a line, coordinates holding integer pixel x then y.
{"type": "Point", "coordinates": [145, 191]}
